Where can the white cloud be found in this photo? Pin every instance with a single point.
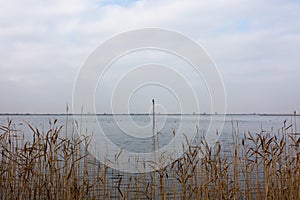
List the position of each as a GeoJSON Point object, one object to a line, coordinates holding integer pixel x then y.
{"type": "Point", "coordinates": [43, 43]}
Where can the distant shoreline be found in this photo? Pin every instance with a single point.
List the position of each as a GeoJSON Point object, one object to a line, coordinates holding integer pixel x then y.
{"type": "Point", "coordinates": [143, 114]}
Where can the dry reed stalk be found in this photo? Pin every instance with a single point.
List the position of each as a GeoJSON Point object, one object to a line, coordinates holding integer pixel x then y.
{"type": "Point", "coordinates": [265, 165]}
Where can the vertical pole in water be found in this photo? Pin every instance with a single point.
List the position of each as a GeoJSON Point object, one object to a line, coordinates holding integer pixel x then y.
{"type": "Point", "coordinates": [153, 128]}
{"type": "Point", "coordinates": [153, 117]}
{"type": "Point", "coordinates": [154, 148]}
{"type": "Point", "coordinates": [295, 122]}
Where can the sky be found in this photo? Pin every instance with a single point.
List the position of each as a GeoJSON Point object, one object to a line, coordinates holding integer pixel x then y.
{"type": "Point", "coordinates": [254, 44]}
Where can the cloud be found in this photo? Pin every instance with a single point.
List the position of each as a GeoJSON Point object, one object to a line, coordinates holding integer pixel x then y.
{"type": "Point", "coordinates": [255, 45]}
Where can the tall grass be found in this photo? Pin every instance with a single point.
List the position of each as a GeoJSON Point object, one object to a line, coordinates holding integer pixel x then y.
{"type": "Point", "coordinates": [265, 165]}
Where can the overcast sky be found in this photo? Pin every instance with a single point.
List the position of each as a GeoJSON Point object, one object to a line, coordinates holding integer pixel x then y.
{"type": "Point", "coordinates": [255, 45]}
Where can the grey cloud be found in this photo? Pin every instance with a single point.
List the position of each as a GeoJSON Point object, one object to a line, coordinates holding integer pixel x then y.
{"type": "Point", "coordinates": [255, 44]}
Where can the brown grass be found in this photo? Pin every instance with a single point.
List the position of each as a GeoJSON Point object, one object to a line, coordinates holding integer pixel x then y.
{"type": "Point", "coordinates": [52, 166]}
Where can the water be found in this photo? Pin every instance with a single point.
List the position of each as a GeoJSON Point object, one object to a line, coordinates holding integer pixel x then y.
{"type": "Point", "coordinates": [121, 129]}
{"type": "Point", "coordinates": [133, 134]}
{"type": "Point", "coordinates": [142, 128]}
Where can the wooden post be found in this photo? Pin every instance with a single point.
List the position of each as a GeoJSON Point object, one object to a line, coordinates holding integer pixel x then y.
{"type": "Point", "coordinates": [154, 149]}
{"type": "Point", "coordinates": [153, 117]}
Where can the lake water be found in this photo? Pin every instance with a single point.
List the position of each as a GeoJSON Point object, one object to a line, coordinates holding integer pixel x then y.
{"type": "Point", "coordinates": [133, 134]}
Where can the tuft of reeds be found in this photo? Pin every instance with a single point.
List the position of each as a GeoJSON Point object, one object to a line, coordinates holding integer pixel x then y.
{"type": "Point", "coordinates": [52, 165]}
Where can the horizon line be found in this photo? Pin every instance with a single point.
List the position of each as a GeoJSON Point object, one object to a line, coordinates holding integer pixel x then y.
{"type": "Point", "coordinates": [111, 114]}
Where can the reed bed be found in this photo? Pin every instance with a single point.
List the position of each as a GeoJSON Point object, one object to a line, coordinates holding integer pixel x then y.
{"type": "Point", "coordinates": [263, 165]}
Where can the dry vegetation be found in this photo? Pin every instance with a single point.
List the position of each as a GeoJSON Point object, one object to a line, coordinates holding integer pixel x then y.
{"type": "Point", "coordinates": [52, 166]}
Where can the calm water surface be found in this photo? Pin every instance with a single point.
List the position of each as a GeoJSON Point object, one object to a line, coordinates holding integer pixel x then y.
{"type": "Point", "coordinates": [133, 132]}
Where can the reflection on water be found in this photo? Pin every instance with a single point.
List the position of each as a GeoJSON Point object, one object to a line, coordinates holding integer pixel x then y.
{"type": "Point", "coordinates": [134, 132]}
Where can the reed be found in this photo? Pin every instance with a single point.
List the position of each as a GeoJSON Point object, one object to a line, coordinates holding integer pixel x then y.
{"type": "Point", "coordinates": [264, 165]}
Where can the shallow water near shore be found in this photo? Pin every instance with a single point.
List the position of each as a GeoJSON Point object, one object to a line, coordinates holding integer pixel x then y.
{"type": "Point", "coordinates": [132, 134]}
{"type": "Point", "coordinates": [177, 179]}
